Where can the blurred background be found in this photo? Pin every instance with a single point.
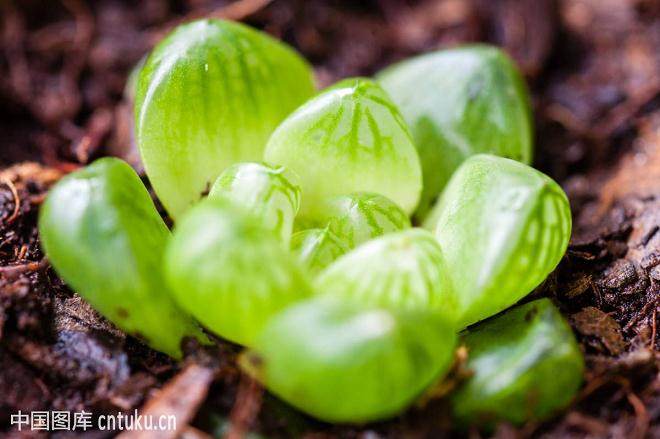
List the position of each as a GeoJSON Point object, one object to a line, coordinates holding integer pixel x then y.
{"type": "Point", "coordinates": [64, 63]}
{"type": "Point", "coordinates": [593, 67]}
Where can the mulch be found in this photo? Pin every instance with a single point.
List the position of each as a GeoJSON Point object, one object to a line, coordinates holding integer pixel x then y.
{"type": "Point", "coordinates": [593, 68]}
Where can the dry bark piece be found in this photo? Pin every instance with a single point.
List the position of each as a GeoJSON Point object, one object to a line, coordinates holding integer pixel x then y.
{"type": "Point", "coordinates": [77, 357]}
{"type": "Point", "coordinates": [579, 286]}
{"type": "Point", "coordinates": [246, 408]}
{"type": "Point", "coordinates": [619, 275]}
{"type": "Point", "coordinates": [593, 322]}
{"type": "Point", "coordinates": [180, 398]}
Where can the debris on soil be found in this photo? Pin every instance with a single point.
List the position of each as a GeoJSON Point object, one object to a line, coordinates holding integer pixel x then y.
{"type": "Point", "coordinates": [593, 322]}
{"type": "Point", "coordinates": [593, 70]}
{"type": "Point", "coordinates": [180, 398]}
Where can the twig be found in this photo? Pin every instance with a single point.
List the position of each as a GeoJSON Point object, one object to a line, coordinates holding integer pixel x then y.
{"type": "Point", "coordinates": [246, 408]}
{"type": "Point", "coordinates": [237, 10]}
{"type": "Point", "coordinates": [180, 398]}
{"type": "Point", "coordinates": [240, 9]}
{"type": "Point", "coordinates": [624, 112]}
{"type": "Point", "coordinates": [587, 423]}
{"type": "Point", "coordinates": [193, 433]}
{"type": "Point", "coordinates": [98, 127]}
{"type": "Point", "coordinates": [22, 252]}
{"type": "Point", "coordinates": [641, 416]}
{"type": "Point", "coordinates": [84, 25]}
{"type": "Point", "coordinates": [615, 119]}
{"type": "Point", "coordinates": [14, 270]}
{"type": "Point", "coordinates": [17, 200]}
{"type": "Point", "coordinates": [641, 314]}
{"type": "Point", "coordinates": [653, 332]}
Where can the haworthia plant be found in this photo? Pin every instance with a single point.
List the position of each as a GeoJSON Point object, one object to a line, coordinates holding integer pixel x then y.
{"type": "Point", "coordinates": [349, 138]}
{"type": "Point", "coordinates": [103, 235]}
{"type": "Point", "coordinates": [525, 365]}
{"type": "Point", "coordinates": [457, 103]}
{"type": "Point", "coordinates": [130, 89]}
{"type": "Point", "coordinates": [268, 193]}
{"type": "Point", "coordinates": [229, 271]}
{"type": "Point", "coordinates": [342, 363]}
{"type": "Point", "coordinates": [317, 248]}
{"type": "Point", "coordinates": [357, 218]}
{"type": "Point", "coordinates": [209, 95]}
{"type": "Point", "coordinates": [503, 227]}
{"type": "Point", "coordinates": [403, 270]}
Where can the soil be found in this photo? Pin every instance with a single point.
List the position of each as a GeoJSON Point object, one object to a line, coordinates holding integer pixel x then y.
{"type": "Point", "coordinates": [593, 68]}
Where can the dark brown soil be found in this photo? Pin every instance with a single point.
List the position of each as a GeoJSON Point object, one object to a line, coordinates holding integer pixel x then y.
{"type": "Point", "coordinates": [594, 68]}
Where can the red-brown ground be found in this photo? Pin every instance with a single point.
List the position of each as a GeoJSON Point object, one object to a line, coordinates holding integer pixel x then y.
{"type": "Point", "coordinates": [594, 69]}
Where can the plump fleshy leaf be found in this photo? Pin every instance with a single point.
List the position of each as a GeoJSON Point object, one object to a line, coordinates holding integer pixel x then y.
{"type": "Point", "coordinates": [526, 365]}
{"type": "Point", "coordinates": [503, 227]}
{"type": "Point", "coordinates": [209, 95]}
{"type": "Point", "coordinates": [103, 235]}
{"type": "Point", "coordinates": [357, 218]}
{"type": "Point", "coordinates": [342, 363]}
{"type": "Point", "coordinates": [349, 138]}
{"type": "Point", "coordinates": [130, 89]}
{"type": "Point", "coordinates": [317, 248]}
{"type": "Point", "coordinates": [267, 192]}
{"type": "Point", "coordinates": [403, 270]}
{"type": "Point", "coordinates": [229, 271]}
{"type": "Point", "coordinates": [457, 103]}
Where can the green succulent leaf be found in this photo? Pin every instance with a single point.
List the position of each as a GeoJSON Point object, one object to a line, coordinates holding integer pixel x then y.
{"type": "Point", "coordinates": [457, 103]}
{"type": "Point", "coordinates": [341, 363]}
{"type": "Point", "coordinates": [317, 248]}
{"type": "Point", "coordinates": [349, 138]}
{"type": "Point", "coordinates": [130, 89]}
{"type": "Point", "coordinates": [266, 192]}
{"type": "Point", "coordinates": [503, 227]}
{"type": "Point", "coordinates": [209, 95]}
{"type": "Point", "coordinates": [103, 235]}
{"type": "Point", "coordinates": [403, 270]}
{"type": "Point", "coordinates": [360, 217]}
{"type": "Point", "coordinates": [526, 366]}
{"type": "Point", "coordinates": [226, 269]}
